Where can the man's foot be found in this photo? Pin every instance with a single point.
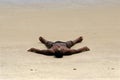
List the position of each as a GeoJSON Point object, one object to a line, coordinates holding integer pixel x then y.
{"type": "Point", "coordinates": [79, 39]}
{"type": "Point", "coordinates": [42, 40]}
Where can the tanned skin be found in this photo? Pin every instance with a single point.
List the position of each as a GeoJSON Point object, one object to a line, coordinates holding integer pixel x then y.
{"type": "Point", "coordinates": [59, 48]}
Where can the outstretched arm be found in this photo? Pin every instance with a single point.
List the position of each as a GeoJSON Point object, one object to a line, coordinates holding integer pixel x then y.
{"type": "Point", "coordinates": [74, 51]}
{"type": "Point", "coordinates": [45, 52]}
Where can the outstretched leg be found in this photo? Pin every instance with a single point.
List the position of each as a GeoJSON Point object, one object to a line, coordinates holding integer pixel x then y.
{"type": "Point", "coordinates": [71, 43]}
{"type": "Point", "coordinates": [73, 51]}
{"type": "Point", "coordinates": [48, 44]}
{"type": "Point", "coordinates": [45, 52]}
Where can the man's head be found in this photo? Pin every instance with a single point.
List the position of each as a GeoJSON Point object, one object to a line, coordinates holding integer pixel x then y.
{"type": "Point", "coordinates": [58, 54]}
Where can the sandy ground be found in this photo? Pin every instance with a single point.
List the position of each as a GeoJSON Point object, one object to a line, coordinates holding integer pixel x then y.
{"type": "Point", "coordinates": [21, 27]}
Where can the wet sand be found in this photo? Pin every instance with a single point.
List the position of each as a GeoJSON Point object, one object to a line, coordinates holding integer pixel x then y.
{"type": "Point", "coordinates": [21, 27]}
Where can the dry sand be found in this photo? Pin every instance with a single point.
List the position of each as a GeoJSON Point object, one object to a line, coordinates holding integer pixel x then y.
{"type": "Point", "coordinates": [21, 27]}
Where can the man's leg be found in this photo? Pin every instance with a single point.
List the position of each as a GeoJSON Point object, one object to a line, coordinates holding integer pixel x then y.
{"type": "Point", "coordinates": [78, 40]}
{"type": "Point", "coordinates": [72, 43]}
{"type": "Point", "coordinates": [74, 51]}
{"type": "Point", "coordinates": [45, 52]}
{"type": "Point", "coordinates": [48, 44]}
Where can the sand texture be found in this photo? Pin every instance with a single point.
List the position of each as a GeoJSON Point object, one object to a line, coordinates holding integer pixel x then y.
{"type": "Point", "coordinates": [21, 27]}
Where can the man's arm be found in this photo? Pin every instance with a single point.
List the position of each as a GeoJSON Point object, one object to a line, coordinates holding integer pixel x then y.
{"type": "Point", "coordinates": [38, 51]}
{"type": "Point", "coordinates": [75, 51]}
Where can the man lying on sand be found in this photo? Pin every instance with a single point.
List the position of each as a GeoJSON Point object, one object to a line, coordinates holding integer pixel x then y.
{"type": "Point", "coordinates": [59, 48]}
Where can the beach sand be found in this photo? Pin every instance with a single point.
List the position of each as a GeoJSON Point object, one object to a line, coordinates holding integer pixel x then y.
{"type": "Point", "coordinates": [21, 27]}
